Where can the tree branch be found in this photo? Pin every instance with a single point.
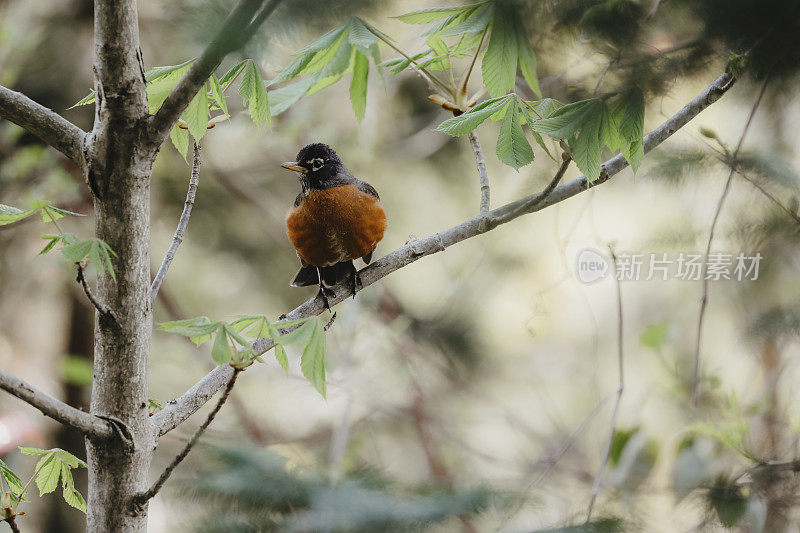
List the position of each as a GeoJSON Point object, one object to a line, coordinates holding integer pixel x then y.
{"type": "Point", "coordinates": [484, 177]}
{"type": "Point", "coordinates": [142, 498]}
{"type": "Point", "coordinates": [100, 306]}
{"type": "Point", "coordinates": [56, 409]}
{"type": "Point", "coordinates": [49, 126]}
{"type": "Point", "coordinates": [620, 388]}
{"type": "Point", "coordinates": [180, 231]}
{"type": "Point", "coordinates": [237, 29]}
{"type": "Point", "coordinates": [720, 204]}
{"type": "Point", "coordinates": [182, 408]}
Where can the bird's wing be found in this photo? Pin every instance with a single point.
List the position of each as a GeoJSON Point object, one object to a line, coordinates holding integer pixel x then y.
{"type": "Point", "coordinates": [363, 186]}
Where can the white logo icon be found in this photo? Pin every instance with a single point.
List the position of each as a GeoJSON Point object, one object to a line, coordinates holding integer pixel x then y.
{"type": "Point", "coordinates": [591, 266]}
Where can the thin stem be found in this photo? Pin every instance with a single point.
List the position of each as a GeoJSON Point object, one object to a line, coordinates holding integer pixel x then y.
{"type": "Point", "coordinates": [620, 360]}
{"type": "Point", "coordinates": [768, 195]}
{"type": "Point", "coordinates": [145, 496]}
{"type": "Point", "coordinates": [468, 72]}
{"type": "Point", "coordinates": [12, 522]}
{"type": "Point", "coordinates": [531, 108]}
{"type": "Point", "coordinates": [183, 222]}
{"type": "Point", "coordinates": [484, 177]}
{"type": "Point", "coordinates": [720, 204]}
{"type": "Point", "coordinates": [100, 306]}
{"type": "Point", "coordinates": [422, 70]}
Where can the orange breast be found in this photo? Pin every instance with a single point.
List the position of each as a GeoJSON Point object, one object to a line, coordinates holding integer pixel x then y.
{"type": "Point", "coordinates": [336, 224]}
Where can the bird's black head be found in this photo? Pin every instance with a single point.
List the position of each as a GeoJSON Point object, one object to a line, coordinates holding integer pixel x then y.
{"type": "Point", "coordinates": [320, 167]}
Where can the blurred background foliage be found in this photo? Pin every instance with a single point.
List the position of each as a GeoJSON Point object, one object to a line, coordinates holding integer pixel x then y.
{"type": "Point", "coordinates": [471, 391]}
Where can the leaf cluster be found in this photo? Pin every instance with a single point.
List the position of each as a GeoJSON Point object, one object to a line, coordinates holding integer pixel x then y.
{"type": "Point", "coordinates": [231, 346]}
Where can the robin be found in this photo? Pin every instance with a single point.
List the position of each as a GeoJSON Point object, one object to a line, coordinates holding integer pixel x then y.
{"type": "Point", "coordinates": [335, 219]}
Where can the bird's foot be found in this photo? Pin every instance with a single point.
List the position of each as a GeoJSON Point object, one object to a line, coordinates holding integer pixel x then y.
{"type": "Point", "coordinates": [326, 293]}
{"type": "Point", "coordinates": [355, 283]}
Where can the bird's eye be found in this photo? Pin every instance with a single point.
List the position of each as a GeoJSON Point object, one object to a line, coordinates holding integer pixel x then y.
{"type": "Point", "coordinates": [317, 164]}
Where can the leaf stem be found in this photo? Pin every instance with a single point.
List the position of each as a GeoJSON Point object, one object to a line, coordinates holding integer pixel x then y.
{"type": "Point", "coordinates": [531, 108]}
{"type": "Point", "coordinates": [468, 72]}
{"type": "Point", "coordinates": [429, 76]}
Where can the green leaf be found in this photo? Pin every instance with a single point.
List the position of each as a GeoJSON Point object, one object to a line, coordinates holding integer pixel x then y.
{"type": "Point", "coordinates": [513, 148]}
{"type": "Point", "coordinates": [465, 123]}
{"type": "Point", "coordinates": [49, 246]}
{"type": "Point", "coordinates": [221, 351]}
{"type": "Point", "coordinates": [12, 480]}
{"type": "Point", "coordinates": [499, 65]}
{"type": "Point", "coordinates": [280, 355]}
{"type": "Point", "coordinates": [74, 498]}
{"type": "Point", "coordinates": [441, 59]}
{"type": "Point", "coordinates": [312, 362]}
{"type": "Point", "coordinates": [68, 459]}
{"type": "Point", "coordinates": [300, 335]}
{"type": "Point", "coordinates": [631, 128]}
{"type": "Point", "coordinates": [196, 115]}
{"type": "Point", "coordinates": [281, 99]}
{"type": "Point", "coordinates": [423, 16]}
{"type": "Point", "coordinates": [475, 22]}
{"type": "Point", "coordinates": [49, 469]}
{"type": "Point", "coordinates": [9, 214]}
{"type": "Point", "coordinates": [217, 94]}
{"type": "Point", "coordinates": [33, 451]}
{"type": "Point", "coordinates": [86, 100]}
{"type": "Point", "coordinates": [228, 77]}
{"type": "Point", "coordinates": [254, 93]}
{"type": "Point", "coordinates": [527, 58]}
{"type": "Point", "coordinates": [63, 212]}
{"type": "Point", "coordinates": [564, 121]}
{"type": "Point", "coordinates": [359, 34]}
{"type": "Point", "coordinates": [77, 371]}
{"type": "Point", "coordinates": [587, 145]}
{"type": "Point", "coordinates": [75, 253]}
{"type": "Point", "coordinates": [530, 118]}
{"type": "Point", "coordinates": [321, 58]}
{"type": "Point", "coordinates": [358, 87]}
{"type": "Point", "coordinates": [180, 140]}
{"type": "Point", "coordinates": [244, 322]}
{"type": "Point", "coordinates": [198, 329]}
{"type": "Point", "coordinates": [167, 72]}
{"type": "Point", "coordinates": [655, 336]}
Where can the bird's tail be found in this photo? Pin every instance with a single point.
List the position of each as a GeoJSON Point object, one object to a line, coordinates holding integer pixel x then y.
{"type": "Point", "coordinates": [331, 275]}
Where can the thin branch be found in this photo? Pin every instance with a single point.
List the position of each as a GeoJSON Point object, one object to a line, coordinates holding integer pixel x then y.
{"type": "Point", "coordinates": [429, 76]}
{"type": "Point", "coordinates": [621, 386]}
{"type": "Point", "coordinates": [769, 195]}
{"type": "Point", "coordinates": [484, 177]}
{"type": "Point", "coordinates": [720, 204]}
{"type": "Point", "coordinates": [55, 409]}
{"type": "Point", "coordinates": [12, 523]}
{"type": "Point", "coordinates": [49, 126]}
{"type": "Point", "coordinates": [237, 29]}
{"type": "Point", "coordinates": [183, 222]}
{"type": "Point", "coordinates": [468, 72]}
{"type": "Point", "coordinates": [183, 407]}
{"type": "Point", "coordinates": [142, 498]}
{"type": "Point", "coordinates": [102, 308]}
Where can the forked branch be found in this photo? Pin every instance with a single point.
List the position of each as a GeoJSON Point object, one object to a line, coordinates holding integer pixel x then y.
{"type": "Point", "coordinates": [182, 408]}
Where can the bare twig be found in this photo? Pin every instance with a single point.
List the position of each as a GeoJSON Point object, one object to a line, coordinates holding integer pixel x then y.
{"type": "Point", "coordinates": [769, 195]}
{"type": "Point", "coordinates": [181, 408]}
{"type": "Point", "coordinates": [620, 360]}
{"type": "Point", "coordinates": [237, 29]}
{"type": "Point", "coordinates": [102, 308]}
{"type": "Point", "coordinates": [484, 177]}
{"type": "Point", "coordinates": [180, 231]}
{"type": "Point", "coordinates": [12, 523]}
{"type": "Point", "coordinates": [49, 126]}
{"type": "Point", "coordinates": [142, 498]}
{"type": "Point", "coordinates": [720, 204]}
{"type": "Point", "coordinates": [55, 409]}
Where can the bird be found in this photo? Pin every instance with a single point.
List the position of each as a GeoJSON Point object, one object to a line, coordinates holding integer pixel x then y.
{"type": "Point", "coordinates": [335, 219]}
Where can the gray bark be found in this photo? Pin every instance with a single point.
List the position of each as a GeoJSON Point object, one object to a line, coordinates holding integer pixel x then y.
{"type": "Point", "coordinates": [119, 176]}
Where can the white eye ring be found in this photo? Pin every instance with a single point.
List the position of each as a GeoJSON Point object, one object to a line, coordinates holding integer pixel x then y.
{"type": "Point", "coordinates": [317, 163]}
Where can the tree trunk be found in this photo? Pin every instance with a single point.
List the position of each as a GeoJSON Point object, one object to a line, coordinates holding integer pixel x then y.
{"type": "Point", "coordinates": [119, 176]}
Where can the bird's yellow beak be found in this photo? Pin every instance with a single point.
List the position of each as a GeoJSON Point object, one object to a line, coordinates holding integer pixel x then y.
{"type": "Point", "coordinates": [292, 165]}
